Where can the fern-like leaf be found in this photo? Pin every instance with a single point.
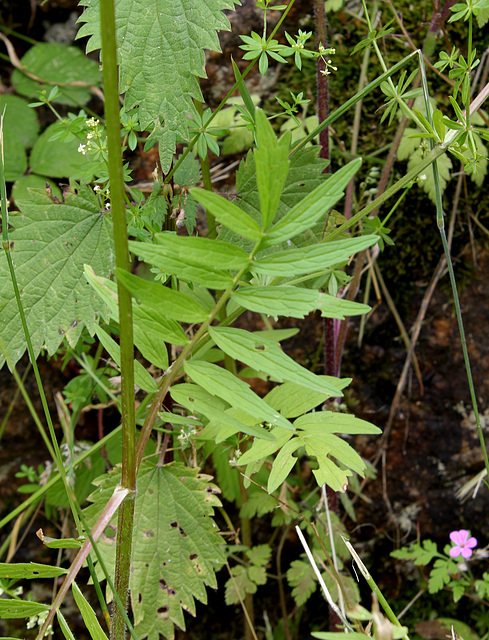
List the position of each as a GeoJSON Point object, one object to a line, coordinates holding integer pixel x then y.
{"type": "Point", "coordinates": [161, 56]}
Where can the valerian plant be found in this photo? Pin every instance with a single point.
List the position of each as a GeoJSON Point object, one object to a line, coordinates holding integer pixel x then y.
{"type": "Point", "coordinates": [65, 268]}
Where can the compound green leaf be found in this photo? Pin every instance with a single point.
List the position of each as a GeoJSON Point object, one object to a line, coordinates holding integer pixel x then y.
{"type": "Point", "coordinates": [162, 79]}
{"type": "Point", "coordinates": [168, 302]}
{"type": "Point", "coordinates": [314, 206]}
{"type": "Point", "coordinates": [176, 545]}
{"type": "Point", "coordinates": [267, 356]}
{"type": "Point", "coordinates": [293, 399]}
{"type": "Point", "coordinates": [228, 214]}
{"type": "Point", "coordinates": [57, 64]}
{"type": "Point", "coordinates": [28, 570]}
{"type": "Point", "coordinates": [88, 614]}
{"type": "Point", "coordinates": [183, 268]}
{"type": "Point", "coordinates": [195, 398]}
{"type": "Point", "coordinates": [282, 464]}
{"type": "Point", "coordinates": [312, 258]}
{"type": "Point", "coordinates": [225, 385]}
{"type": "Point", "coordinates": [142, 378]}
{"type": "Point", "coordinates": [52, 242]}
{"type": "Point", "coordinates": [10, 608]}
{"type": "Point", "coordinates": [302, 579]}
{"type": "Point", "coordinates": [272, 167]}
{"type": "Point", "coordinates": [334, 422]}
{"type": "Point", "coordinates": [260, 449]}
{"type": "Point", "coordinates": [204, 251]}
{"type": "Point", "coordinates": [295, 302]}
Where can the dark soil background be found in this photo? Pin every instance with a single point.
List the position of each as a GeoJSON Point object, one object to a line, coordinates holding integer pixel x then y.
{"type": "Point", "coordinates": [432, 448]}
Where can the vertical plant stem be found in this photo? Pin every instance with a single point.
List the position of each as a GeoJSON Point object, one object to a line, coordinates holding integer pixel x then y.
{"type": "Point", "coordinates": [128, 480]}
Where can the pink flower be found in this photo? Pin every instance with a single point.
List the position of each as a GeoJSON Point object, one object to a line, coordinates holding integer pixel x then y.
{"type": "Point", "coordinates": [463, 544]}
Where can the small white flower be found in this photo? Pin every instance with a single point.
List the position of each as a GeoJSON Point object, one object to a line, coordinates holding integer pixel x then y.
{"type": "Point", "coordinates": [82, 149]}
{"type": "Point", "coordinates": [97, 188]}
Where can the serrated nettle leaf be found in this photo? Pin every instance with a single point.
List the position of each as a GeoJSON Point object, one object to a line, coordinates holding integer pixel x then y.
{"type": "Point", "coordinates": [267, 356]}
{"type": "Point", "coordinates": [141, 377]}
{"type": "Point", "coordinates": [272, 166]}
{"type": "Point", "coordinates": [295, 302]}
{"type": "Point", "coordinates": [29, 570]}
{"type": "Point", "coordinates": [225, 385]}
{"type": "Point", "coordinates": [176, 545]}
{"type": "Point", "coordinates": [334, 422]}
{"type": "Point", "coordinates": [228, 214]}
{"type": "Point", "coordinates": [313, 258]}
{"type": "Point", "coordinates": [162, 80]}
{"type": "Point", "coordinates": [52, 242]}
{"type": "Point", "coordinates": [282, 464]}
{"type": "Point", "coordinates": [166, 301]}
{"type": "Point", "coordinates": [197, 399]}
{"type": "Point", "coordinates": [292, 399]}
{"type": "Point", "coordinates": [182, 268]}
{"type": "Point", "coordinates": [203, 251]}
{"type": "Point", "coordinates": [314, 206]}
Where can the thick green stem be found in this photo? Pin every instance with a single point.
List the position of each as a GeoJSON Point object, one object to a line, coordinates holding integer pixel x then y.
{"type": "Point", "coordinates": [128, 480]}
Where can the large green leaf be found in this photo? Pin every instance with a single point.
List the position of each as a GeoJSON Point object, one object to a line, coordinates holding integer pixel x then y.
{"type": "Point", "coordinates": [272, 166]}
{"type": "Point", "coordinates": [267, 356]}
{"type": "Point", "coordinates": [314, 206]}
{"type": "Point", "coordinates": [176, 545]}
{"type": "Point", "coordinates": [162, 79]}
{"type": "Point", "coordinates": [20, 121]}
{"type": "Point", "coordinates": [225, 385]}
{"type": "Point", "coordinates": [57, 64]}
{"type": "Point", "coordinates": [313, 258]}
{"type": "Point", "coordinates": [295, 302]}
{"type": "Point", "coordinates": [51, 243]}
{"type": "Point", "coordinates": [57, 159]}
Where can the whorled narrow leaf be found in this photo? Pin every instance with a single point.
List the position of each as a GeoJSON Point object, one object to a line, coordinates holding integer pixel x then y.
{"type": "Point", "coordinates": [176, 545]}
{"type": "Point", "coordinates": [161, 56]}
{"type": "Point", "coordinates": [50, 244]}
